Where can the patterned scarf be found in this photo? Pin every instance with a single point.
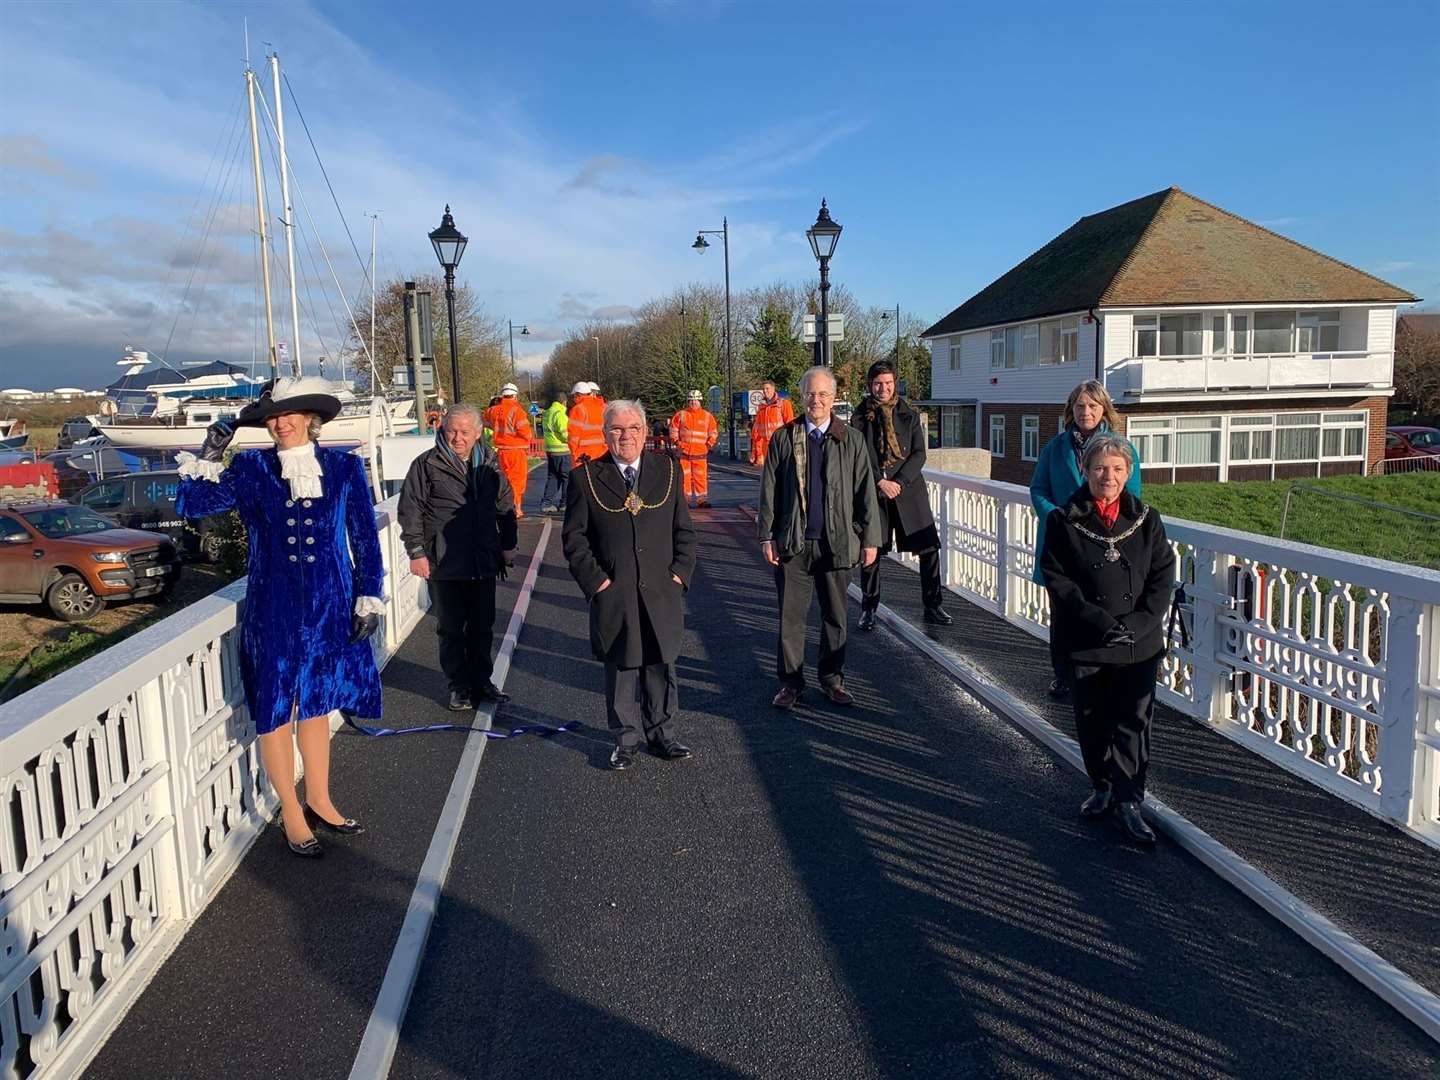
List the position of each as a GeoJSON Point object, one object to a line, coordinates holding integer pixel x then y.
{"type": "Point", "coordinates": [472, 477]}
{"type": "Point", "coordinates": [890, 452]}
{"type": "Point", "coordinates": [1081, 440]}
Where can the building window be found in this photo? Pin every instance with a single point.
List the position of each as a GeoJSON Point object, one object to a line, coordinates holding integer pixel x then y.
{"type": "Point", "coordinates": [1197, 440]}
{"type": "Point", "coordinates": [1317, 331]}
{"type": "Point", "coordinates": [1297, 436]}
{"type": "Point", "coordinates": [1030, 344]}
{"type": "Point", "coordinates": [1152, 438]}
{"type": "Point", "coordinates": [1059, 341]}
{"type": "Point", "coordinates": [1342, 435]}
{"type": "Point", "coordinates": [1146, 335]}
{"type": "Point", "coordinates": [955, 356]}
{"type": "Point", "coordinates": [1274, 331]}
{"type": "Point", "coordinates": [1251, 438]}
{"type": "Point", "coordinates": [997, 349]}
{"type": "Point", "coordinates": [997, 436]}
{"type": "Point", "coordinates": [1029, 438]}
{"type": "Point", "coordinates": [1240, 335]}
{"type": "Point", "coordinates": [1012, 347]}
{"type": "Point", "coordinates": [1217, 335]}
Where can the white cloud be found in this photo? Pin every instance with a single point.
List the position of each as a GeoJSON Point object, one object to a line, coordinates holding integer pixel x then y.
{"type": "Point", "coordinates": [563, 232]}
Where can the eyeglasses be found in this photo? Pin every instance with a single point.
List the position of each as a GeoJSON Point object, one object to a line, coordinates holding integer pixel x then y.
{"type": "Point", "coordinates": [634, 429]}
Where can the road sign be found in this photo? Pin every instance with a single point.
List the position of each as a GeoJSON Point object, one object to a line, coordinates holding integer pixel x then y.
{"type": "Point", "coordinates": [836, 323]}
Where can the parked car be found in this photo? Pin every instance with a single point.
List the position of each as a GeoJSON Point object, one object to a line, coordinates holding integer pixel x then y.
{"type": "Point", "coordinates": [1408, 441]}
{"type": "Point", "coordinates": [147, 501]}
{"type": "Point", "coordinates": [75, 561]}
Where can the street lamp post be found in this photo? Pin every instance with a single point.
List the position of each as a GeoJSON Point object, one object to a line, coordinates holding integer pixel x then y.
{"type": "Point", "coordinates": [524, 330]}
{"type": "Point", "coordinates": [449, 243]}
{"type": "Point", "coordinates": [597, 357]}
{"type": "Point", "coordinates": [823, 237]}
{"type": "Point", "coordinates": [700, 245]}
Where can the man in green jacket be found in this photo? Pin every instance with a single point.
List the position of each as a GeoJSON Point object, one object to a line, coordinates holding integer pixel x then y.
{"type": "Point", "coordinates": [819, 516]}
{"type": "Point", "coordinates": [556, 431]}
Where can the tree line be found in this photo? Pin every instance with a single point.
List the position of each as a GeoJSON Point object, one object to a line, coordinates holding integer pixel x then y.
{"type": "Point", "coordinates": [668, 347]}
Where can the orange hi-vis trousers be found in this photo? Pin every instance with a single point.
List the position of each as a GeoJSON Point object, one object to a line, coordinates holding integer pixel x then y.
{"type": "Point", "coordinates": [516, 467]}
{"type": "Point", "coordinates": [696, 471]}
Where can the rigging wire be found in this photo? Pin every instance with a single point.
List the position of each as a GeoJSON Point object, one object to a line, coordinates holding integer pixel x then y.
{"type": "Point", "coordinates": [211, 214]}
{"type": "Point", "coordinates": [222, 138]}
{"type": "Point", "coordinates": [305, 205]}
{"type": "Point", "coordinates": [306, 127]}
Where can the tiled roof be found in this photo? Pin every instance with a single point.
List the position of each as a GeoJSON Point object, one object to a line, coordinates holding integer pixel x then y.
{"type": "Point", "coordinates": [1166, 248]}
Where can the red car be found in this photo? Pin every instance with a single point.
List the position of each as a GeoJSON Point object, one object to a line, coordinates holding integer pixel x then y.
{"type": "Point", "coordinates": [1408, 441]}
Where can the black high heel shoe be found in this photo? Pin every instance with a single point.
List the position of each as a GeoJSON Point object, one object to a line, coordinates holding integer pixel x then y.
{"type": "Point", "coordinates": [310, 849]}
{"type": "Point", "coordinates": [348, 827]}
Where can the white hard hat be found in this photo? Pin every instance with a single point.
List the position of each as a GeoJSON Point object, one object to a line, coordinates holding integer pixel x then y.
{"type": "Point", "coordinates": [592, 387]}
{"type": "Point", "coordinates": [695, 395]}
{"type": "Point", "coordinates": [509, 388]}
{"type": "Point", "coordinates": [580, 388]}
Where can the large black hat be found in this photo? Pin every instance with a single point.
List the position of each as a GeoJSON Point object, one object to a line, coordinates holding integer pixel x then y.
{"type": "Point", "coordinates": [306, 394]}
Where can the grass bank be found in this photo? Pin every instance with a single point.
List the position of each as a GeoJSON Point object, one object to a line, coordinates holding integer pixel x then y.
{"type": "Point", "coordinates": [1317, 517]}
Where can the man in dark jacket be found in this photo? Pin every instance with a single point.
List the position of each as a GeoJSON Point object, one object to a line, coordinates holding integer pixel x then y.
{"type": "Point", "coordinates": [631, 549]}
{"type": "Point", "coordinates": [457, 522]}
{"type": "Point", "coordinates": [818, 518]}
{"type": "Point", "coordinates": [895, 437]}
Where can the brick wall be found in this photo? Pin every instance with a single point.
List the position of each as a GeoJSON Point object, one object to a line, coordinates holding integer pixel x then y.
{"type": "Point", "coordinates": [1011, 468]}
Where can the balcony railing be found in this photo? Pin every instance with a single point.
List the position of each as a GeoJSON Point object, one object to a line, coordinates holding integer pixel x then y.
{"type": "Point", "coordinates": [1327, 663]}
{"type": "Point", "coordinates": [131, 787]}
{"type": "Point", "coordinates": [1137, 376]}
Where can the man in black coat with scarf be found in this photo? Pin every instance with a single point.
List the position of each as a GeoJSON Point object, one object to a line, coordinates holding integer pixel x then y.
{"type": "Point", "coordinates": [631, 549]}
{"type": "Point", "coordinates": [895, 436]}
{"type": "Point", "coordinates": [457, 522]}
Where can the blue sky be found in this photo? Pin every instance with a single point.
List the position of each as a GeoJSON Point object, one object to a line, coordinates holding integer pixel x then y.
{"type": "Point", "coordinates": [582, 144]}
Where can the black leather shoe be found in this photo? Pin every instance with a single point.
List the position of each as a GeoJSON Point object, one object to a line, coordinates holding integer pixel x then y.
{"type": "Point", "coordinates": [1098, 804]}
{"type": "Point", "coordinates": [867, 620]}
{"type": "Point", "coordinates": [621, 758]}
{"type": "Point", "coordinates": [1132, 824]}
{"type": "Point", "coordinates": [938, 616]}
{"type": "Point", "coordinates": [674, 750]}
{"type": "Point", "coordinates": [460, 702]}
{"type": "Point", "coordinates": [786, 698]}
{"type": "Point", "coordinates": [310, 849]}
{"type": "Point", "coordinates": [837, 694]}
{"type": "Point", "coordinates": [1058, 690]}
{"type": "Point", "coordinates": [348, 827]}
{"type": "Point", "coordinates": [491, 692]}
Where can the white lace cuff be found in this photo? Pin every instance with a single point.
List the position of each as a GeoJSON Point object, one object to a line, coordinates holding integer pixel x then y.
{"type": "Point", "coordinates": [197, 468]}
{"type": "Point", "coordinates": [369, 605]}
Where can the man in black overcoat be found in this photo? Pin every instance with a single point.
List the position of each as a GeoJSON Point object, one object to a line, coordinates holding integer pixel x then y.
{"type": "Point", "coordinates": [895, 436]}
{"type": "Point", "coordinates": [631, 549]}
{"type": "Point", "coordinates": [457, 522]}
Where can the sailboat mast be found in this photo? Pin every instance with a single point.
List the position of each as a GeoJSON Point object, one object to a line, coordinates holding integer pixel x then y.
{"type": "Point", "coordinates": [260, 218]}
{"type": "Point", "coordinates": [374, 221]}
{"type": "Point", "coordinates": [289, 219]}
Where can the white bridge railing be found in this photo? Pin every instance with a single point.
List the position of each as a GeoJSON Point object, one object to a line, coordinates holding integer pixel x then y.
{"type": "Point", "coordinates": [130, 788]}
{"type": "Point", "coordinates": [1324, 662]}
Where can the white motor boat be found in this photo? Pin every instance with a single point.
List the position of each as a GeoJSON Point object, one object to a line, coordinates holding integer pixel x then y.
{"type": "Point", "coordinates": [184, 429]}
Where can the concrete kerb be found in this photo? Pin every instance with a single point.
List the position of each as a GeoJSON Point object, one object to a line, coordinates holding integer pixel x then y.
{"type": "Point", "coordinates": [1397, 989]}
{"type": "Point", "coordinates": [382, 1032]}
{"type": "Point", "coordinates": [1409, 998]}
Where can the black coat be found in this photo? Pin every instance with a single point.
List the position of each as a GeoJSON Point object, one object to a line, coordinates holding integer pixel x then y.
{"type": "Point", "coordinates": [916, 525]}
{"type": "Point", "coordinates": [460, 522]}
{"type": "Point", "coordinates": [637, 553]}
{"type": "Point", "coordinates": [1092, 595]}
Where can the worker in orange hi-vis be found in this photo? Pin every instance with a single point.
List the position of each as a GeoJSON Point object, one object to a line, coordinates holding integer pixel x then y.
{"type": "Point", "coordinates": [586, 433]}
{"type": "Point", "coordinates": [773, 414]}
{"type": "Point", "coordinates": [511, 425]}
{"type": "Point", "coordinates": [693, 432]}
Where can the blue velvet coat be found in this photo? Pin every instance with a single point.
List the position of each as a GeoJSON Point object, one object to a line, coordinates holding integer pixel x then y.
{"type": "Point", "coordinates": [309, 560]}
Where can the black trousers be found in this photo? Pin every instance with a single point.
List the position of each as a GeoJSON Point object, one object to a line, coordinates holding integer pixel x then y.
{"type": "Point", "coordinates": [931, 591]}
{"type": "Point", "coordinates": [1114, 704]}
{"type": "Point", "coordinates": [640, 703]}
{"type": "Point", "coordinates": [1059, 662]}
{"type": "Point", "coordinates": [797, 579]}
{"type": "Point", "coordinates": [465, 622]}
{"type": "Point", "coordinates": [557, 475]}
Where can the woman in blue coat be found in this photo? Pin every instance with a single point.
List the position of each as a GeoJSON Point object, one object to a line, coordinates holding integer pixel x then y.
{"type": "Point", "coordinates": [1089, 411]}
{"type": "Point", "coordinates": [314, 592]}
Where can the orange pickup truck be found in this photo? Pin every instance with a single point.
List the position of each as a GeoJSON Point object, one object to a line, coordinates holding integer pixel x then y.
{"type": "Point", "coordinates": [73, 560]}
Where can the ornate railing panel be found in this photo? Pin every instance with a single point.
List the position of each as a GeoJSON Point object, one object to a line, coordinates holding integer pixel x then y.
{"type": "Point", "coordinates": [1324, 662]}
{"type": "Point", "coordinates": [130, 787]}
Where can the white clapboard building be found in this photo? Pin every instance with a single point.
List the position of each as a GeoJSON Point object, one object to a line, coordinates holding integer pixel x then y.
{"type": "Point", "coordinates": [1231, 352]}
